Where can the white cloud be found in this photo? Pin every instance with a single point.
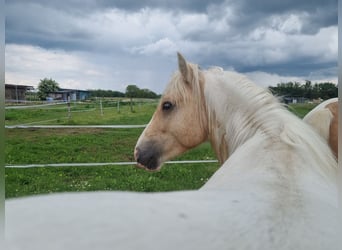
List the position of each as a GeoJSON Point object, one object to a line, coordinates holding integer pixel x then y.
{"type": "Point", "coordinates": [191, 23]}
{"type": "Point", "coordinates": [163, 46]}
{"type": "Point", "coordinates": [289, 23]}
{"type": "Point", "coordinates": [265, 79]}
{"type": "Point", "coordinates": [116, 27]}
{"type": "Point", "coordinates": [266, 45]}
{"type": "Point", "coordinates": [28, 64]}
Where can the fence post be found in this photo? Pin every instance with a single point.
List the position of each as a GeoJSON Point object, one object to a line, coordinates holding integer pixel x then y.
{"type": "Point", "coordinates": [69, 108]}
{"type": "Point", "coordinates": [101, 107]}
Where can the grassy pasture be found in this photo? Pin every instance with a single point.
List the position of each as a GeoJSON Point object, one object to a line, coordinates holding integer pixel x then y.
{"type": "Point", "coordinates": [43, 146]}
{"type": "Point", "coordinates": [301, 109]}
{"type": "Point", "coordinates": [84, 114]}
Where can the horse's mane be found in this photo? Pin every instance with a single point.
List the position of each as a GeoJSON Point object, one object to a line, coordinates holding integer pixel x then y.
{"type": "Point", "coordinates": [268, 115]}
{"type": "Point", "coordinates": [259, 111]}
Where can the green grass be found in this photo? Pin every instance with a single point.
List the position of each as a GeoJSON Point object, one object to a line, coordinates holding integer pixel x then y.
{"type": "Point", "coordinates": [301, 109]}
{"type": "Point", "coordinates": [83, 114]}
{"type": "Point", "coordinates": [23, 182]}
{"type": "Point", "coordinates": [27, 146]}
{"type": "Point", "coordinates": [44, 146]}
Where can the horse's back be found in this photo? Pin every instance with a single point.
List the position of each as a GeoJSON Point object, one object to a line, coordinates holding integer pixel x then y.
{"type": "Point", "coordinates": [291, 197]}
{"type": "Point", "coordinates": [176, 220]}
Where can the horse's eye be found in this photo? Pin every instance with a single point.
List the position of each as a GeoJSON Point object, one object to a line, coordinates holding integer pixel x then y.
{"type": "Point", "coordinates": [167, 106]}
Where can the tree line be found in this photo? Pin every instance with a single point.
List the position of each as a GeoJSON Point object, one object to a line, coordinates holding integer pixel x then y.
{"type": "Point", "coordinates": [132, 91]}
{"type": "Point", "coordinates": [47, 86]}
{"type": "Point", "coordinates": [105, 93]}
{"type": "Point", "coordinates": [307, 90]}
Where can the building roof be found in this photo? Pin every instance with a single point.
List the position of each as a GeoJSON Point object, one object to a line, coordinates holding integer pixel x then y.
{"type": "Point", "coordinates": [16, 86]}
{"type": "Point", "coordinates": [61, 91]}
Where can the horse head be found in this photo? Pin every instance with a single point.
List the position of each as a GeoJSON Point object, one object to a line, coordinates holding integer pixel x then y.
{"type": "Point", "coordinates": [179, 122]}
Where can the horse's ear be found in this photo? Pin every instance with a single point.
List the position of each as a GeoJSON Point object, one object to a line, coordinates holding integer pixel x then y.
{"type": "Point", "coordinates": [183, 68]}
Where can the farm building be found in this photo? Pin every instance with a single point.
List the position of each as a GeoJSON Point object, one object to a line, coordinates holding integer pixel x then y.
{"type": "Point", "coordinates": [292, 99]}
{"type": "Point", "coordinates": [16, 93]}
{"type": "Point", "coordinates": [66, 94]}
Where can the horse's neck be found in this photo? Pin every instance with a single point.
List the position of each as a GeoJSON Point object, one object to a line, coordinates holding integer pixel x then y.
{"type": "Point", "coordinates": [236, 119]}
{"type": "Point", "coordinates": [233, 118]}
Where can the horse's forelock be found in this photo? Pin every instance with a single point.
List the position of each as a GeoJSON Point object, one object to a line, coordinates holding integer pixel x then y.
{"type": "Point", "coordinates": [184, 92]}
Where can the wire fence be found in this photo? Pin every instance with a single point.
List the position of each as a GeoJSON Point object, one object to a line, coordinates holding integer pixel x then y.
{"type": "Point", "coordinates": [34, 106]}
{"type": "Point", "coordinates": [73, 126]}
{"type": "Point", "coordinates": [94, 164]}
{"type": "Point", "coordinates": [99, 164]}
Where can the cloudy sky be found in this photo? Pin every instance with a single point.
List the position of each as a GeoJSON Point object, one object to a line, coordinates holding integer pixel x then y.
{"type": "Point", "coordinates": [104, 44]}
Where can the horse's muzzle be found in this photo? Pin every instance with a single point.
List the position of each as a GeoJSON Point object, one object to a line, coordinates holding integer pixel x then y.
{"type": "Point", "coordinates": [148, 156]}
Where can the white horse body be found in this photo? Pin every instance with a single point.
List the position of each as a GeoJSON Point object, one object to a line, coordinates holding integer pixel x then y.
{"type": "Point", "coordinates": [294, 195]}
{"type": "Point", "coordinates": [320, 117]}
{"type": "Point", "coordinates": [324, 119]}
{"type": "Point", "coordinates": [276, 189]}
{"type": "Point", "coordinates": [216, 219]}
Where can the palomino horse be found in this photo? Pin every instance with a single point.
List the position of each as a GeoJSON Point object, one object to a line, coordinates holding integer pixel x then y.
{"type": "Point", "coordinates": [324, 118]}
{"type": "Point", "coordinates": [283, 170]}
{"type": "Point", "coordinates": [276, 188]}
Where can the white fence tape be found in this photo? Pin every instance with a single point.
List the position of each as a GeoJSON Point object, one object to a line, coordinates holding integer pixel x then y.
{"type": "Point", "coordinates": [75, 126]}
{"type": "Point", "coordinates": [34, 106]}
{"type": "Point", "coordinates": [94, 164]}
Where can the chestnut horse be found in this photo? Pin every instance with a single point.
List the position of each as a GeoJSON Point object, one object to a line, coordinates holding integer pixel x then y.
{"type": "Point", "coordinates": [324, 118]}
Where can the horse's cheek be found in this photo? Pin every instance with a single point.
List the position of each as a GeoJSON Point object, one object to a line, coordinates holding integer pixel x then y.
{"type": "Point", "coordinates": [191, 135]}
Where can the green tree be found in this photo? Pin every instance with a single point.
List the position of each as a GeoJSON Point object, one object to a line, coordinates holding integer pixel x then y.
{"type": "Point", "coordinates": [132, 91]}
{"type": "Point", "coordinates": [46, 86]}
{"type": "Point", "coordinates": [324, 90]}
{"type": "Point", "coordinates": [328, 90]}
{"type": "Point", "coordinates": [308, 89]}
{"type": "Point", "coordinates": [315, 91]}
{"type": "Point", "coordinates": [146, 93]}
{"type": "Point", "coordinates": [105, 93]}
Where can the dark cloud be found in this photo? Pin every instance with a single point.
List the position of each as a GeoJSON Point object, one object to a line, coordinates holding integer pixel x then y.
{"type": "Point", "coordinates": [51, 21]}
{"type": "Point", "coordinates": [270, 6]}
{"type": "Point", "coordinates": [249, 14]}
{"type": "Point", "coordinates": [297, 68]}
{"type": "Point", "coordinates": [282, 37]}
{"type": "Point", "coordinates": [49, 28]}
{"type": "Point", "coordinates": [78, 6]}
